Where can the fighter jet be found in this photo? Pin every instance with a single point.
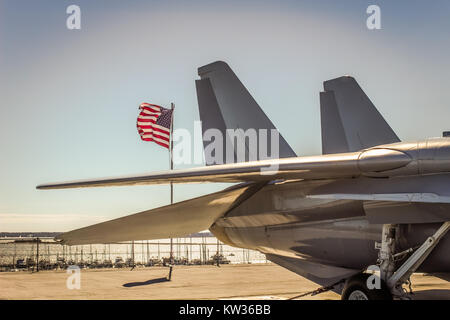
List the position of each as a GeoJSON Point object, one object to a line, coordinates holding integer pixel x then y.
{"type": "Point", "coordinates": [369, 201]}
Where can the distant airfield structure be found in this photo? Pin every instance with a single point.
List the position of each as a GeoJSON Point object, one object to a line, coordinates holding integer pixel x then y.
{"type": "Point", "coordinates": [38, 251]}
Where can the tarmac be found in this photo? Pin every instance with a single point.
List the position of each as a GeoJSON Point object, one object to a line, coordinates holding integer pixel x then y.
{"type": "Point", "coordinates": [246, 281]}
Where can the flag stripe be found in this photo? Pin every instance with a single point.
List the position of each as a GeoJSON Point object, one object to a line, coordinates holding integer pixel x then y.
{"type": "Point", "coordinates": [150, 131]}
{"type": "Point", "coordinates": [155, 135]}
{"type": "Point", "coordinates": [166, 145]}
{"type": "Point", "coordinates": [142, 117]}
{"type": "Point", "coordinates": [146, 122]}
{"type": "Point", "coordinates": [145, 104]}
{"type": "Point", "coordinates": [161, 141]}
{"type": "Point", "coordinates": [151, 109]}
{"type": "Point", "coordinates": [150, 113]}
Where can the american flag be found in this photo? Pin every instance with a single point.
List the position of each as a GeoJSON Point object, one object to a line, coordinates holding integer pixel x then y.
{"type": "Point", "coordinates": [153, 123]}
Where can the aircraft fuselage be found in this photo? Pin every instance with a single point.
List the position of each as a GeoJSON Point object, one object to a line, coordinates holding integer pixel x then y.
{"type": "Point", "coordinates": [307, 219]}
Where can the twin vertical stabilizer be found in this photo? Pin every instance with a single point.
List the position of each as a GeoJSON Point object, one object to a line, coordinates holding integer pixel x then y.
{"type": "Point", "coordinates": [350, 121]}
{"type": "Point", "coordinates": [225, 104]}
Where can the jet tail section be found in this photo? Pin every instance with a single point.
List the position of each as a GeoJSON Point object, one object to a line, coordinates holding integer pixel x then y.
{"type": "Point", "coordinates": [224, 104]}
{"type": "Point", "coordinates": [350, 122]}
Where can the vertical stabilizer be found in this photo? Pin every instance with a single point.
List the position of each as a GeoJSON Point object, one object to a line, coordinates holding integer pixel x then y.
{"type": "Point", "coordinates": [350, 121]}
{"type": "Point", "coordinates": [333, 134]}
{"type": "Point", "coordinates": [224, 104]}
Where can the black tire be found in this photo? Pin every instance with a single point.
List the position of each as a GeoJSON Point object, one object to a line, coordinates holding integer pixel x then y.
{"type": "Point", "coordinates": [356, 289]}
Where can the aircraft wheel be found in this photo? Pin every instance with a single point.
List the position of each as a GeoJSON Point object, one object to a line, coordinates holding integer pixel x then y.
{"type": "Point", "coordinates": [356, 289]}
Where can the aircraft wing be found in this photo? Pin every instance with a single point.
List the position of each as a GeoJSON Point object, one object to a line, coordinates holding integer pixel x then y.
{"type": "Point", "coordinates": [174, 220]}
{"type": "Point", "coordinates": [329, 166]}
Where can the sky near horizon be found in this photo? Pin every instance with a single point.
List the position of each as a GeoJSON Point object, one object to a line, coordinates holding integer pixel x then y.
{"type": "Point", "coordinates": [69, 98]}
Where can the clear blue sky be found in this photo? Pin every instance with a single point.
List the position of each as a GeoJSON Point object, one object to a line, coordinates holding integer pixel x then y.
{"type": "Point", "coordinates": [69, 98]}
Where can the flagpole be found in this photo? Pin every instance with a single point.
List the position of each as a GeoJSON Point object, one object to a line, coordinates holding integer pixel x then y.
{"type": "Point", "coordinates": [171, 168]}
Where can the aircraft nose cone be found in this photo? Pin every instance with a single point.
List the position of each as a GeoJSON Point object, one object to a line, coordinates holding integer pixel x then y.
{"type": "Point", "coordinates": [378, 160]}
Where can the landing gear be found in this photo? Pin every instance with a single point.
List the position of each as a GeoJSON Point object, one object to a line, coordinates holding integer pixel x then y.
{"type": "Point", "coordinates": [392, 279]}
{"type": "Point", "coordinates": [396, 280]}
{"type": "Point", "coordinates": [384, 281]}
{"type": "Point", "coordinates": [356, 289]}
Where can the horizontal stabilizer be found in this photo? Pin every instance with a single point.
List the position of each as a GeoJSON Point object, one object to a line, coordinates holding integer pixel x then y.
{"type": "Point", "coordinates": [350, 121]}
{"type": "Point", "coordinates": [177, 220]}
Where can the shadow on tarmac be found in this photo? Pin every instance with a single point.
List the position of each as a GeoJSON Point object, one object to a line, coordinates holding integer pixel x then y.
{"type": "Point", "coordinates": [145, 283]}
